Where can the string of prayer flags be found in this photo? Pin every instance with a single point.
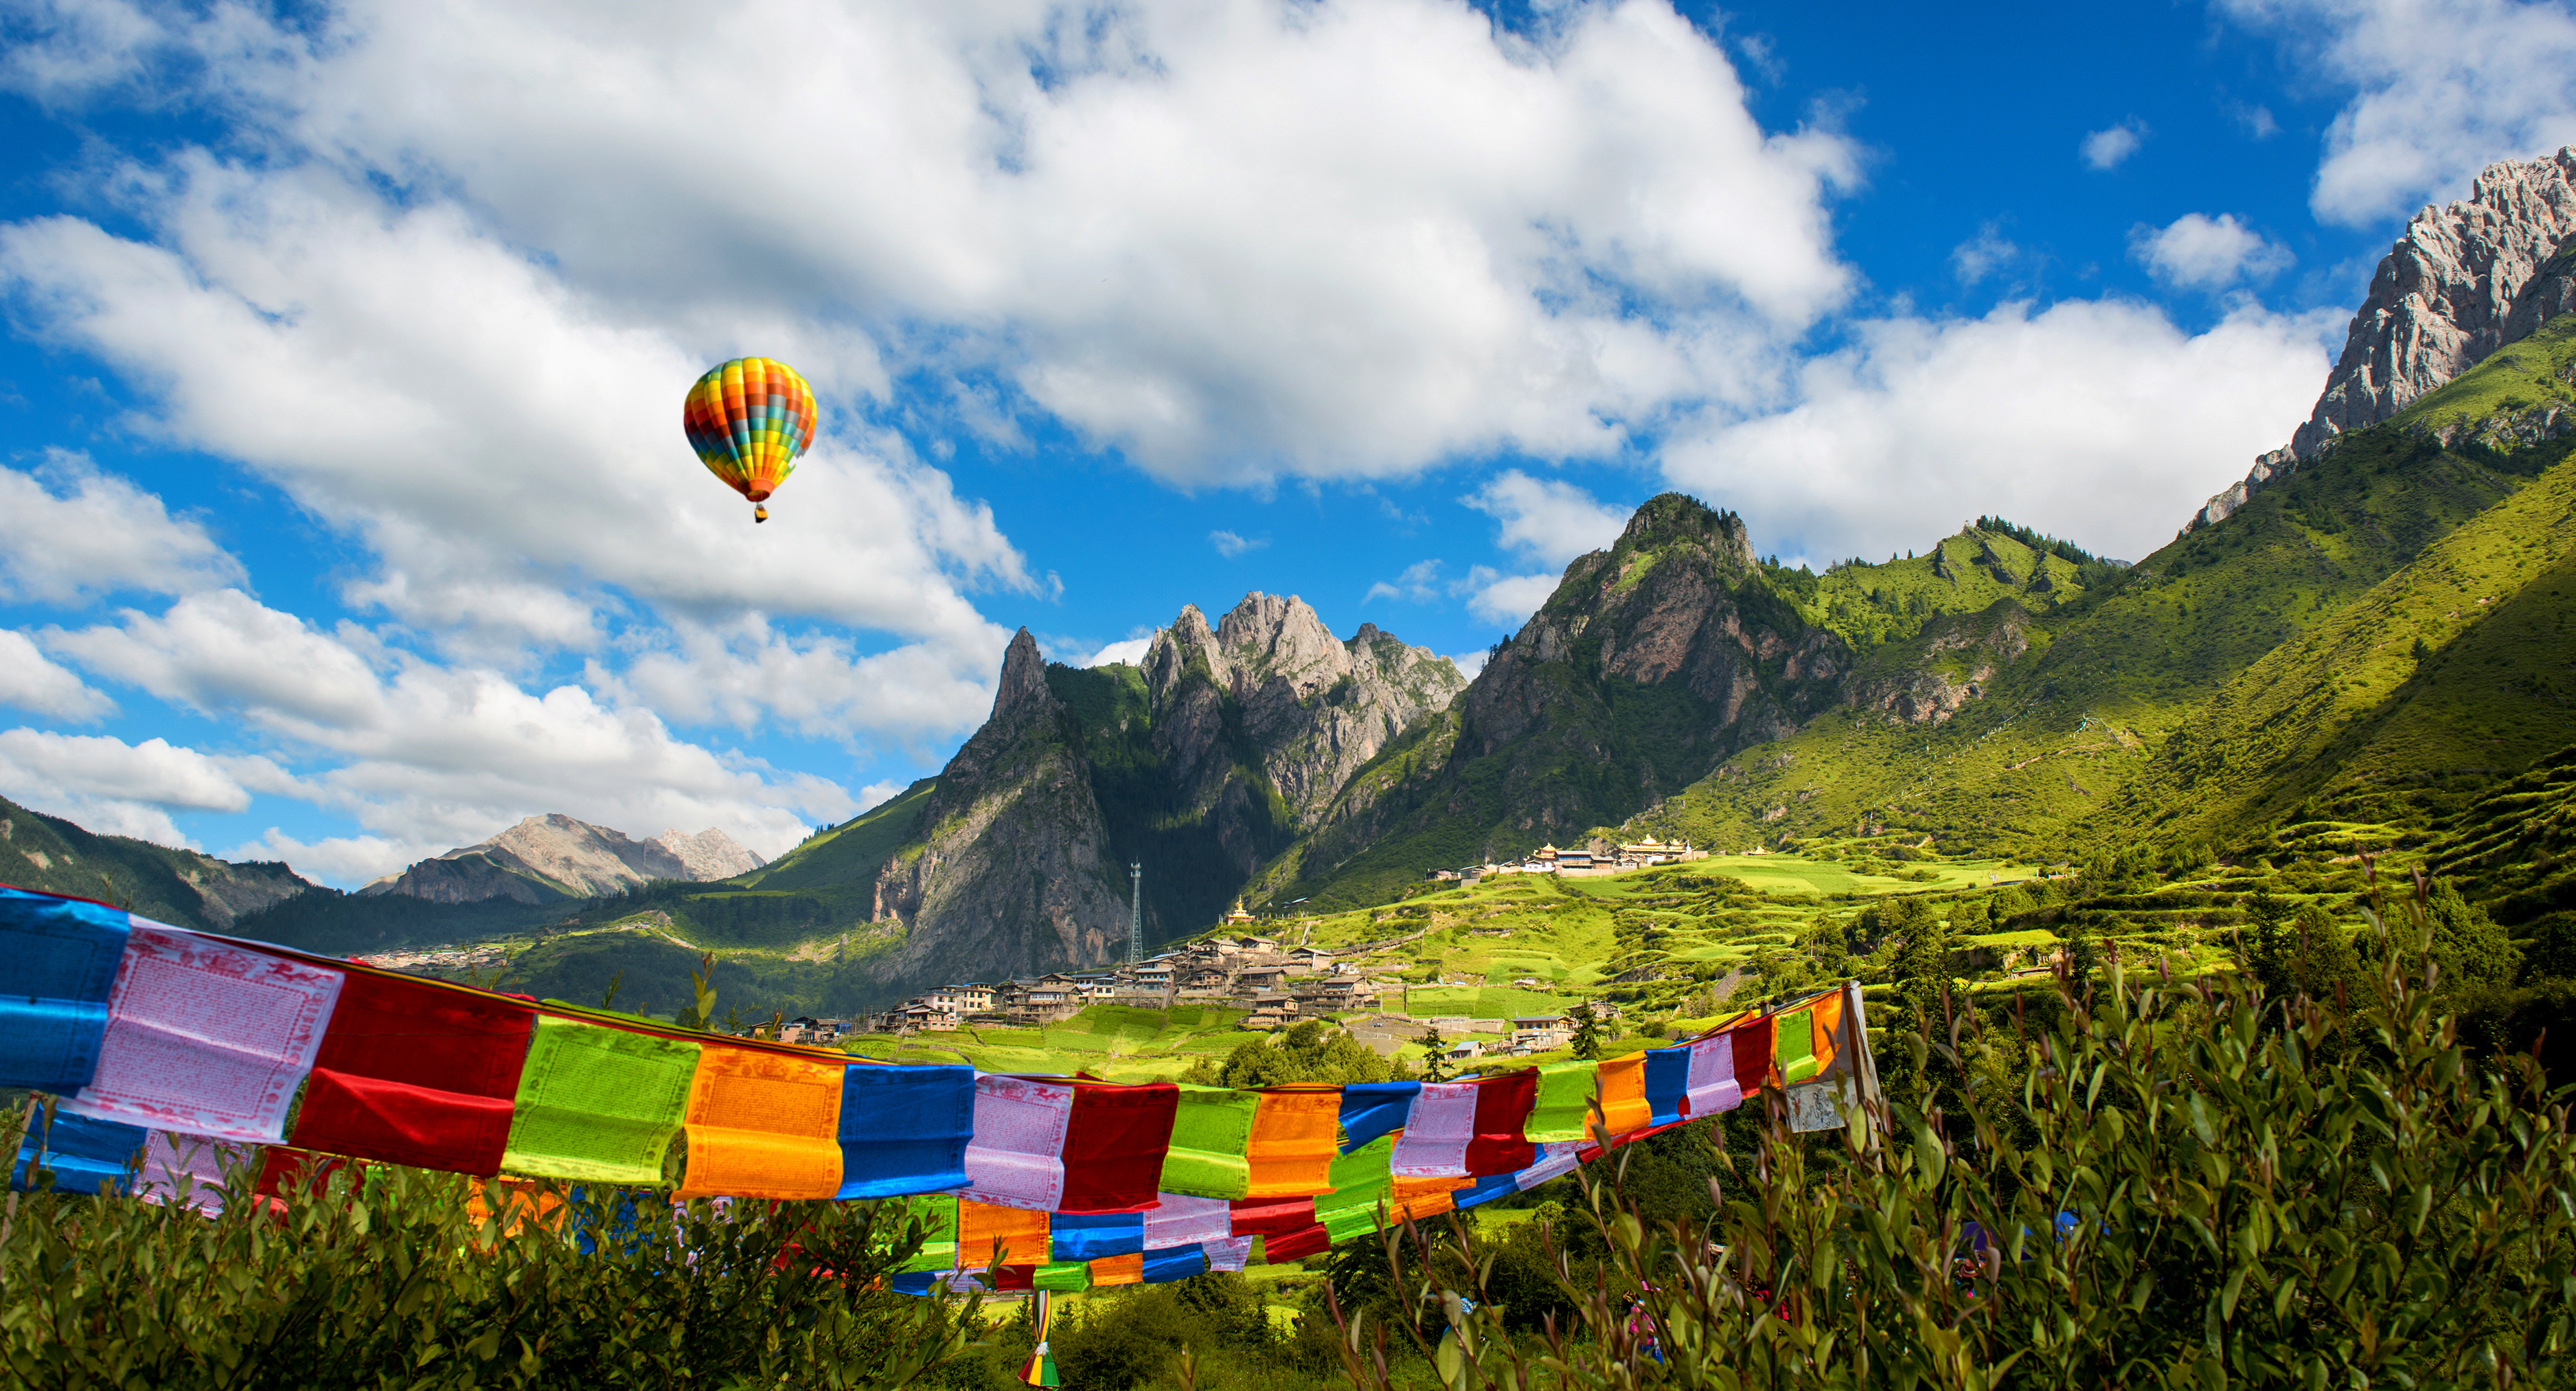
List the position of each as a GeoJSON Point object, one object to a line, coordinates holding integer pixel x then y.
{"type": "Point", "coordinates": [1208, 1155]}
{"type": "Point", "coordinates": [598, 1103]}
{"type": "Point", "coordinates": [414, 1072]}
{"type": "Point", "coordinates": [206, 1037]}
{"type": "Point", "coordinates": [63, 955]}
{"type": "Point", "coordinates": [1372, 1109]}
{"type": "Point", "coordinates": [1113, 1146]}
{"type": "Point", "coordinates": [80, 1154]}
{"type": "Point", "coordinates": [1293, 1142]}
{"type": "Point", "coordinates": [1094, 1236]}
{"type": "Point", "coordinates": [1463, 1128]}
{"type": "Point", "coordinates": [904, 1129]}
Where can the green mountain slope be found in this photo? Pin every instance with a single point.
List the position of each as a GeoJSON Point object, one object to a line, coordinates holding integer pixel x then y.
{"type": "Point", "coordinates": [850, 853]}
{"type": "Point", "coordinates": [179, 887]}
{"type": "Point", "coordinates": [1653, 661]}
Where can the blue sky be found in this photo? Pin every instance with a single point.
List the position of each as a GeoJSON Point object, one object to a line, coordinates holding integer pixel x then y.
{"type": "Point", "coordinates": [346, 515]}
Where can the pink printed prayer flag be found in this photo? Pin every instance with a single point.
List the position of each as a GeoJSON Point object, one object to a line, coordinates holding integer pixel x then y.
{"type": "Point", "coordinates": [1712, 1086]}
{"type": "Point", "coordinates": [1554, 1161]}
{"type": "Point", "coordinates": [189, 1170]}
{"type": "Point", "coordinates": [1468, 1129]}
{"type": "Point", "coordinates": [1178, 1220]}
{"type": "Point", "coordinates": [1233, 1253]}
{"type": "Point", "coordinates": [207, 1038]}
{"type": "Point", "coordinates": [1017, 1156]}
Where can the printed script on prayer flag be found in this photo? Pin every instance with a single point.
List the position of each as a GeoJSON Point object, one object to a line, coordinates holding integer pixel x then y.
{"type": "Point", "coordinates": [206, 1038]}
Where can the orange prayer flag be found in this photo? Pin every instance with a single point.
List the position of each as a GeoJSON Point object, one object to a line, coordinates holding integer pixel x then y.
{"type": "Point", "coordinates": [1019, 1234]}
{"type": "Point", "coordinates": [1418, 1198]}
{"type": "Point", "coordinates": [522, 1201]}
{"type": "Point", "coordinates": [1623, 1094]}
{"type": "Point", "coordinates": [1295, 1136]}
{"type": "Point", "coordinates": [763, 1125]}
{"type": "Point", "coordinates": [1829, 1023]}
{"type": "Point", "coordinates": [1128, 1269]}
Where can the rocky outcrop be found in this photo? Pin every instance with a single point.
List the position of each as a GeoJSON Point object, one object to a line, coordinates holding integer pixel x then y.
{"type": "Point", "coordinates": [1272, 681]}
{"type": "Point", "coordinates": [1651, 663]}
{"type": "Point", "coordinates": [555, 856]}
{"type": "Point", "coordinates": [2465, 280]}
{"type": "Point", "coordinates": [1012, 875]}
{"type": "Point", "coordinates": [2449, 293]}
{"type": "Point", "coordinates": [709, 855]}
{"type": "Point", "coordinates": [1950, 662]}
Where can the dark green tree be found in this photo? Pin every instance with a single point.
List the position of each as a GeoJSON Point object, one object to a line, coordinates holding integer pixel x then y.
{"type": "Point", "coordinates": [1435, 1066]}
{"type": "Point", "coordinates": [2471, 950]}
{"type": "Point", "coordinates": [2269, 957]}
{"type": "Point", "coordinates": [1587, 1032]}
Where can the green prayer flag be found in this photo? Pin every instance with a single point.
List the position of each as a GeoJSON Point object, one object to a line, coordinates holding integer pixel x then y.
{"type": "Point", "coordinates": [1344, 1223]}
{"type": "Point", "coordinates": [1211, 1131]}
{"type": "Point", "coordinates": [1564, 1109]}
{"type": "Point", "coordinates": [937, 1213]}
{"type": "Point", "coordinates": [1795, 1049]}
{"type": "Point", "coordinates": [1061, 1276]}
{"type": "Point", "coordinates": [598, 1103]}
{"type": "Point", "coordinates": [1361, 1179]}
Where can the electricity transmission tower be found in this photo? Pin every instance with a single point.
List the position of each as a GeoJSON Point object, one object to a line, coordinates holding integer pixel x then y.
{"type": "Point", "coordinates": [1135, 912]}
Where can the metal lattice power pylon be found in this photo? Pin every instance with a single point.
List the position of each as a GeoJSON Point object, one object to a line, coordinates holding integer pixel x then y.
{"type": "Point", "coordinates": [1135, 912]}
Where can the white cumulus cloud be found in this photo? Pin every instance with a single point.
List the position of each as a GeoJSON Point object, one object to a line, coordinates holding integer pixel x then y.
{"type": "Point", "coordinates": [2106, 148]}
{"type": "Point", "coordinates": [2439, 90]}
{"type": "Point", "coordinates": [30, 681]}
{"type": "Point", "coordinates": [69, 531]}
{"type": "Point", "coordinates": [2100, 421]}
{"type": "Point", "coordinates": [2199, 252]}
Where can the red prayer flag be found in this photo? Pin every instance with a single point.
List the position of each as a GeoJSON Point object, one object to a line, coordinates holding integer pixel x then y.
{"type": "Point", "coordinates": [287, 1172]}
{"type": "Point", "coordinates": [1015, 1277]}
{"type": "Point", "coordinates": [1114, 1146]}
{"type": "Point", "coordinates": [418, 1073]}
{"type": "Point", "coordinates": [1752, 1056]}
{"type": "Point", "coordinates": [1270, 1217]}
{"type": "Point", "coordinates": [1305, 1241]}
{"type": "Point", "coordinates": [1503, 1106]}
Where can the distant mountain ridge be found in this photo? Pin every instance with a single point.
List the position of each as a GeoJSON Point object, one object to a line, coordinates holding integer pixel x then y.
{"type": "Point", "coordinates": [556, 856]}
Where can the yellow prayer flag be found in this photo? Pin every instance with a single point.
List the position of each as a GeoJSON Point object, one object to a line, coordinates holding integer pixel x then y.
{"type": "Point", "coordinates": [763, 1125]}
{"type": "Point", "coordinates": [1295, 1136]}
{"type": "Point", "coordinates": [982, 1228]}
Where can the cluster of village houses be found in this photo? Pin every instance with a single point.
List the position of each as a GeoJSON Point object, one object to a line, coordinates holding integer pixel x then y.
{"type": "Point", "coordinates": [1274, 986]}
{"type": "Point", "coordinates": [1599, 858]}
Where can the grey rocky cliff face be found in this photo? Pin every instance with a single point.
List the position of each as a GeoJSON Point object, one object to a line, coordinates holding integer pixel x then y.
{"type": "Point", "coordinates": [1308, 707]}
{"type": "Point", "coordinates": [2465, 280]}
{"type": "Point", "coordinates": [1011, 877]}
{"type": "Point", "coordinates": [1950, 662]}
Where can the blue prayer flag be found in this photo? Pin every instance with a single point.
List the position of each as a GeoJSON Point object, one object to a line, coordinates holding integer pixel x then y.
{"type": "Point", "coordinates": [1372, 1109]}
{"type": "Point", "coordinates": [904, 1129]}
{"type": "Point", "coordinates": [1082, 1236]}
{"type": "Point", "coordinates": [1177, 1263]}
{"type": "Point", "coordinates": [1667, 1078]}
{"type": "Point", "coordinates": [83, 1154]}
{"type": "Point", "coordinates": [63, 955]}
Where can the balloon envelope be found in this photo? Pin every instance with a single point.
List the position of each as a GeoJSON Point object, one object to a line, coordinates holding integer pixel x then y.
{"type": "Point", "coordinates": [748, 420]}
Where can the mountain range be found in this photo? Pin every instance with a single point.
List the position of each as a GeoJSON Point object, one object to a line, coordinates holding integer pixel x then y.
{"type": "Point", "coordinates": [2361, 644]}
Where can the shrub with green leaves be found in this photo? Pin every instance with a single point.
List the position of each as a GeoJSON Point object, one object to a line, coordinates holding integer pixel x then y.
{"type": "Point", "coordinates": [2188, 1187]}
{"type": "Point", "coordinates": [390, 1282]}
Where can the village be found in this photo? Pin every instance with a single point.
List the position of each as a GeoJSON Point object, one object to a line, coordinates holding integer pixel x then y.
{"type": "Point", "coordinates": [1600, 859]}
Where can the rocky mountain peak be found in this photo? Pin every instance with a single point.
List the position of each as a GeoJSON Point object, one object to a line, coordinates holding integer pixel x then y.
{"type": "Point", "coordinates": [2446, 294]}
{"type": "Point", "coordinates": [2466, 279]}
{"type": "Point", "coordinates": [555, 855]}
{"type": "Point", "coordinates": [1023, 685]}
{"type": "Point", "coordinates": [1677, 518]}
{"type": "Point", "coordinates": [710, 854]}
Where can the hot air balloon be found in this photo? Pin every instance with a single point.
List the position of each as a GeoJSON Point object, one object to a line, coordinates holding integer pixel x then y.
{"type": "Point", "coordinates": [748, 420]}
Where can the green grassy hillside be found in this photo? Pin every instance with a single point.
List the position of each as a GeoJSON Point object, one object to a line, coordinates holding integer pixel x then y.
{"type": "Point", "coordinates": [850, 853]}
{"type": "Point", "coordinates": [2235, 657]}
{"type": "Point", "coordinates": [48, 853]}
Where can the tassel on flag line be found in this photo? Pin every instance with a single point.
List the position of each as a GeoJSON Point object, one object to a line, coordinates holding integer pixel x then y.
{"type": "Point", "coordinates": [171, 1051]}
